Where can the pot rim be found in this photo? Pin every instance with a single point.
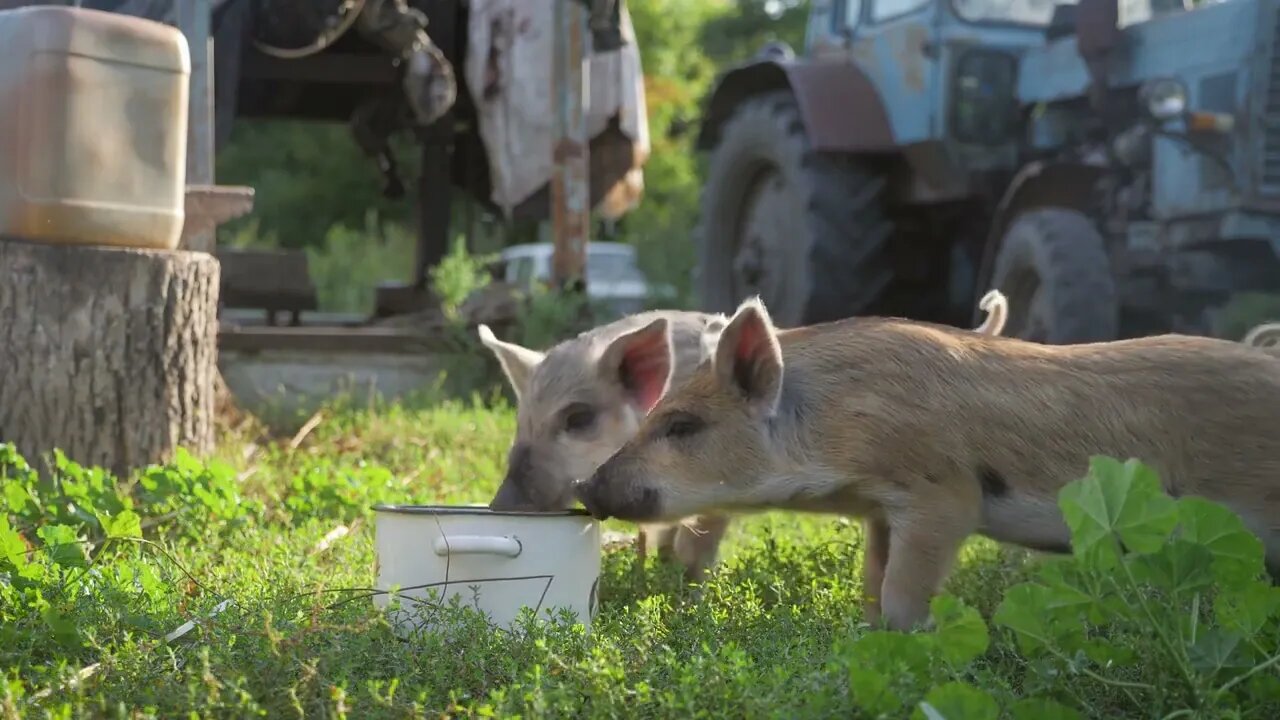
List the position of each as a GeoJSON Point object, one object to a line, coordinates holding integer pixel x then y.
{"type": "Point", "coordinates": [473, 510]}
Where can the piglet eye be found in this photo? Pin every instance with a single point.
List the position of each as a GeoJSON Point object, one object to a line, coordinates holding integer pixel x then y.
{"type": "Point", "coordinates": [682, 426]}
{"type": "Point", "coordinates": [579, 418]}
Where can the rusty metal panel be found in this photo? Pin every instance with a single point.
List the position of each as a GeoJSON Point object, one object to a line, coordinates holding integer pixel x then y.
{"type": "Point", "coordinates": [570, 186]}
{"type": "Point", "coordinates": [841, 109]}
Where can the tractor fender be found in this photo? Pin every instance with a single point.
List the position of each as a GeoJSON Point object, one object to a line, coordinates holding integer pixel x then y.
{"type": "Point", "coordinates": [1038, 184]}
{"type": "Point", "coordinates": [839, 106]}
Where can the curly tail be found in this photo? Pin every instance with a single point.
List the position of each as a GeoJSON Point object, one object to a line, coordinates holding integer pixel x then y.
{"type": "Point", "coordinates": [1265, 337]}
{"type": "Point", "coordinates": [996, 306]}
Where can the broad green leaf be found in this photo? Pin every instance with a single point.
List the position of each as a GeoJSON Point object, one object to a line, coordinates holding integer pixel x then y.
{"type": "Point", "coordinates": [1262, 690]}
{"type": "Point", "coordinates": [150, 582]}
{"type": "Point", "coordinates": [69, 471]}
{"type": "Point", "coordinates": [1080, 593]}
{"type": "Point", "coordinates": [12, 549]}
{"type": "Point", "coordinates": [1073, 592]}
{"type": "Point", "coordinates": [893, 653]}
{"type": "Point", "coordinates": [1214, 650]}
{"type": "Point", "coordinates": [871, 691]}
{"type": "Point", "coordinates": [1247, 608]}
{"type": "Point", "coordinates": [1116, 501]}
{"type": "Point", "coordinates": [957, 701]}
{"type": "Point", "coordinates": [1180, 568]}
{"type": "Point", "coordinates": [1237, 552]}
{"type": "Point", "coordinates": [1042, 709]}
{"type": "Point", "coordinates": [125, 524]}
{"type": "Point", "coordinates": [961, 634]}
{"type": "Point", "coordinates": [63, 546]}
{"type": "Point", "coordinates": [64, 628]}
{"type": "Point", "coordinates": [16, 497]}
{"type": "Point", "coordinates": [1020, 612]}
{"type": "Point", "coordinates": [33, 572]}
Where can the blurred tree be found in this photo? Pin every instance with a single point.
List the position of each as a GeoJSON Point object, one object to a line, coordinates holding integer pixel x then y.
{"type": "Point", "coordinates": [734, 35]}
{"type": "Point", "coordinates": [677, 73]}
{"type": "Point", "coordinates": [308, 178]}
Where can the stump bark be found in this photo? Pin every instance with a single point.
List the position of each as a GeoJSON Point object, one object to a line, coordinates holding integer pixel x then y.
{"type": "Point", "coordinates": [108, 354]}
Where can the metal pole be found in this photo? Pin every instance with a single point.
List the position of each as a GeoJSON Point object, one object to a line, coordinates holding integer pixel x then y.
{"type": "Point", "coordinates": [570, 187]}
{"type": "Point", "coordinates": [193, 21]}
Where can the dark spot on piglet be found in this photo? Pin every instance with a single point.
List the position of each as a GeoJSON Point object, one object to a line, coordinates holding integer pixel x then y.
{"type": "Point", "coordinates": [993, 483]}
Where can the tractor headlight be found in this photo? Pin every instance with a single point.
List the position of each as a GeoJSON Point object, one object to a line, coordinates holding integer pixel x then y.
{"type": "Point", "coordinates": [1164, 98]}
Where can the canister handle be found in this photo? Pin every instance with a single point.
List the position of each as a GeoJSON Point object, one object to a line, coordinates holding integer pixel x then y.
{"type": "Point", "coordinates": [477, 545]}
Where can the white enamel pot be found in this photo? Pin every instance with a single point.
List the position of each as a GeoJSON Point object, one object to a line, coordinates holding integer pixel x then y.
{"type": "Point", "coordinates": [497, 562]}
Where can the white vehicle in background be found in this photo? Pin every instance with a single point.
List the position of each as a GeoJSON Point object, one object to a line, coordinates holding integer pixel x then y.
{"type": "Point", "coordinates": [614, 278]}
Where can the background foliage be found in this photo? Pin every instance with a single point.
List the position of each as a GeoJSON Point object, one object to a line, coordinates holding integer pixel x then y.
{"type": "Point", "coordinates": [317, 191]}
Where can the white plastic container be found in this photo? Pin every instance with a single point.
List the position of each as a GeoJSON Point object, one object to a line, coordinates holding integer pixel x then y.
{"type": "Point", "coordinates": [498, 562]}
{"type": "Point", "coordinates": [93, 128]}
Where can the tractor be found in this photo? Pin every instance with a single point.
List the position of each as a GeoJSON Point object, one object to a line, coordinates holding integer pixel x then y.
{"type": "Point", "coordinates": [1113, 166]}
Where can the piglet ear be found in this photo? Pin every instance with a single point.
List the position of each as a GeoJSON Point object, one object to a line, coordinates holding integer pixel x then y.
{"type": "Point", "coordinates": [518, 363]}
{"type": "Point", "coordinates": [640, 361]}
{"type": "Point", "coordinates": [748, 358]}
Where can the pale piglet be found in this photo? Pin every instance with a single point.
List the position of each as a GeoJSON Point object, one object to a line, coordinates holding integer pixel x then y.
{"type": "Point", "coordinates": [581, 400]}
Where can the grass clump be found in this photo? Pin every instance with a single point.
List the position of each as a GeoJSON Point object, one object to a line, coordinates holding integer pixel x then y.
{"type": "Point", "coordinates": [97, 572]}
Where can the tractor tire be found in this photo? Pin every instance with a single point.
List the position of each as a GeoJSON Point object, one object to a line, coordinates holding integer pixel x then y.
{"type": "Point", "coordinates": [1054, 269]}
{"type": "Point", "coordinates": [805, 231]}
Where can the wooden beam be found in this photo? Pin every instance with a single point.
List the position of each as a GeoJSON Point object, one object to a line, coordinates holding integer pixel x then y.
{"type": "Point", "coordinates": [570, 186]}
{"type": "Point", "coordinates": [208, 206]}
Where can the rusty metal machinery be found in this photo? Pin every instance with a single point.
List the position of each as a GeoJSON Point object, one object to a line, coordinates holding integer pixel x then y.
{"type": "Point", "coordinates": [429, 84]}
{"type": "Point", "coordinates": [292, 29]}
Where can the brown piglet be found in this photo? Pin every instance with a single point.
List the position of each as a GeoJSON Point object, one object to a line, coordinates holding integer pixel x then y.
{"type": "Point", "coordinates": [931, 434]}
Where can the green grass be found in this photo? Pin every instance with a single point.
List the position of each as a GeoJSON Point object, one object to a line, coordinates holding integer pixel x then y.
{"type": "Point", "coordinates": [775, 633]}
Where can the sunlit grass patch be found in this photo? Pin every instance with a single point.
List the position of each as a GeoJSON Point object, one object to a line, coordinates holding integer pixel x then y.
{"type": "Point", "coordinates": [269, 550]}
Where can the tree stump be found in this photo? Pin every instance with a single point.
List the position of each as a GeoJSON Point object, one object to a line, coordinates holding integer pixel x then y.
{"type": "Point", "coordinates": [107, 354]}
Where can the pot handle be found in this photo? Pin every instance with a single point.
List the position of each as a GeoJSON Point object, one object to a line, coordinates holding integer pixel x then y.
{"type": "Point", "coordinates": [477, 545]}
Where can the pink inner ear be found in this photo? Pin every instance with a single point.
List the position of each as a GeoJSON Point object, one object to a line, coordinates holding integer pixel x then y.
{"type": "Point", "coordinates": [645, 366]}
{"type": "Point", "coordinates": [751, 340]}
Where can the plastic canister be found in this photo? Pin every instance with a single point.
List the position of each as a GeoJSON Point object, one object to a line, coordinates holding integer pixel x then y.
{"type": "Point", "coordinates": [93, 128]}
